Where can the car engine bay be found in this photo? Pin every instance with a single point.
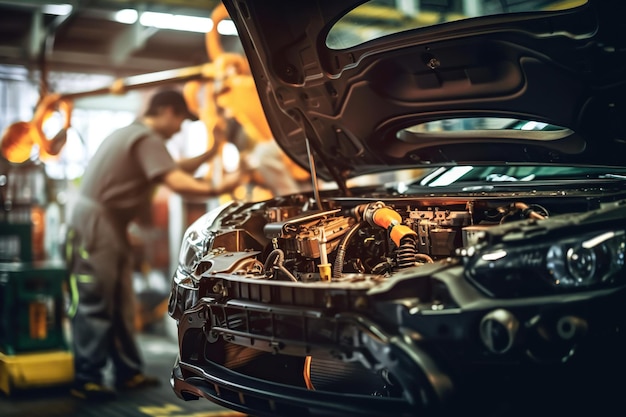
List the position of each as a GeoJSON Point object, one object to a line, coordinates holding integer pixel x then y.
{"type": "Point", "coordinates": [403, 301]}
{"type": "Point", "coordinates": [292, 239]}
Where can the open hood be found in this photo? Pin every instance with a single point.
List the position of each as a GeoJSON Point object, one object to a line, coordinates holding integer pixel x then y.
{"type": "Point", "coordinates": [362, 101]}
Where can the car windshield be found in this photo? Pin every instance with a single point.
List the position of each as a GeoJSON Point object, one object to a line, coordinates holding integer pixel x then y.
{"type": "Point", "coordinates": [480, 123]}
{"type": "Point", "coordinates": [443, 176]}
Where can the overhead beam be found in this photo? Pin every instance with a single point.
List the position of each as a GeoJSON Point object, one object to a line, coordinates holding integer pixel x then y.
{"type": "Point", "coordinates": [92, 63]}
{"type": "Point", "coordinates": [36, 35]}
{"type": "Point", "coordinates": [189, 4]}
{"type": "Point", "coordinates": [78, 59]}
{"type": "Point", "coordinates": [131, 39]}
{"type": "Point", "coordinates": [201, 8]}
{"type": "Point", "coordinates": [27, 4]}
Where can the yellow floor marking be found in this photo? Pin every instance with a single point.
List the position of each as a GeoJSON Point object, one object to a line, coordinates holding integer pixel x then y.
{"type": "Point", "coordinates": [172, 410]}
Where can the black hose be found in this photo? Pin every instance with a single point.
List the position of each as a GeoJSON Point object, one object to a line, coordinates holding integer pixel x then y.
{"type": "Point", "coordinates": [341, 251]}
{"type": "Point", "coordinates": [407, 252]}
{"type": "Point", "coordinates": [276, 259]}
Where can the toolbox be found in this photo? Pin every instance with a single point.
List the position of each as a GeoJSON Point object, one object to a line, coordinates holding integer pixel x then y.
{"type": "Point", "coordinates": [35, 370]}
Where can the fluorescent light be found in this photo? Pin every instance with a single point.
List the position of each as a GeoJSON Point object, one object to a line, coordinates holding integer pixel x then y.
{"type": "Point", "coordinates": [226, 27]}
{"type": "Point", "coordinates": [176, 22]}
{"type": "Point", "coordinates": [57, 9]}
{"type": "Point", "coordinates": [127, 16]}
{"type": "Point", "coordinates": [157, 20]}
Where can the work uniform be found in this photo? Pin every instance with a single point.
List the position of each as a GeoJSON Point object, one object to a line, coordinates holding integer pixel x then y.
{"type": "Point", "coordinates": [118, 182]}
{"type": "Point", "coordinates": [266, 160]}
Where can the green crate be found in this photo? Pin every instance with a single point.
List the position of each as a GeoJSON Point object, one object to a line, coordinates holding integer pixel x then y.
{"type": "Point", "coordinates": [32, 307]}
{"type": "Point", "coordinates": [16, 242]}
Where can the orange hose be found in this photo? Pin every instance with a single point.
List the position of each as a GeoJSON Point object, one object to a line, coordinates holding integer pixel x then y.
{"type": "Point", "coordinates": [307, 373]}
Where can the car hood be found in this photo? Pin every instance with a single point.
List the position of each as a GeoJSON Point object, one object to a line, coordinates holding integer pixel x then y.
{"type": "Point", "coordinates": [363, 108]}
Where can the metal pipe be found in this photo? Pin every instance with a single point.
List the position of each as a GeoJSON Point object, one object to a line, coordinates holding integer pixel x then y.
{"type": "Point", "coordinates": [134, 82]}
{"type": "Point", "coordinates": [316, 190]}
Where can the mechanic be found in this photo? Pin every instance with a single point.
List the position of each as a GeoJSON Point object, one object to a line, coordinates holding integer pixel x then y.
{"type": "Point", "coordinates": [119, 180]}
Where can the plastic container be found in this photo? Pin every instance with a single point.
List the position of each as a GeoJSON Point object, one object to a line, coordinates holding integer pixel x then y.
{"type": "Point", "coordinates": [32, 307]}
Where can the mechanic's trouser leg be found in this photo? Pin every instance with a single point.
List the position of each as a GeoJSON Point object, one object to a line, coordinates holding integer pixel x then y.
{"type": "Point", "coordinates": [125, 354]}
{"type": "Point", "coordinates": [102, 325]}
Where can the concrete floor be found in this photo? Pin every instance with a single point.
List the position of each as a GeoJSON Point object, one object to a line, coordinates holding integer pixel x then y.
{"type": "Point", "coordinates": [159, 351]}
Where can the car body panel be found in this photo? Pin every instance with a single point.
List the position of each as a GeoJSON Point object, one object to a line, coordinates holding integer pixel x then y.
{"type": "Point", "coordinates": [565, 68]}
{"type": "Point", "coordinates": [480, 270]}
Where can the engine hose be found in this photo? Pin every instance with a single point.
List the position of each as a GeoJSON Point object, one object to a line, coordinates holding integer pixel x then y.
{"type": "Point", "coordinates": [276, 259]}
{"type": "Point", "coordinates": [287, 273]}
{"type": "Point", "coordinates": [277, 256]}
{"type": "Point", "coordinates": [524, 211]}
{"type": "Point", "coordinates": [422, 257]}
{"type": "Point", "coordinates": [381, 268]}
{"type": "Point", "coordinates": [407, 252]}
{"type": "Point", "coordinates": [341, 251]}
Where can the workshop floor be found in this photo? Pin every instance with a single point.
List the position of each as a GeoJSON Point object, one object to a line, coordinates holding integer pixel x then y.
{"type": "Point", "coordinates": [159, 354]}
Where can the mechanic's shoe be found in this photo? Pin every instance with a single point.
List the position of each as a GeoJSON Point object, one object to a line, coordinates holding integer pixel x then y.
{"type": "Point", "coordinates": [139, 381]}
{"type": "Point", "coordinates": [92, 391]}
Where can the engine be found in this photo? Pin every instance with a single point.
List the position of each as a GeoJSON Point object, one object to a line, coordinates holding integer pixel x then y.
{"type": "Point", "coordinates": [373, 238]}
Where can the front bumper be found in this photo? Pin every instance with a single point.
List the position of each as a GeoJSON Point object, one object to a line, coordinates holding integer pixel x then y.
{"type": "Point", "coordinates": [538, 366]}
{"type": "Point", "coordinates": [261, 398]}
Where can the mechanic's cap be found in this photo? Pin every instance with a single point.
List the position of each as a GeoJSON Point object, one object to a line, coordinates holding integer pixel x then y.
{"type": "Point", "coordinates": [170, 98]}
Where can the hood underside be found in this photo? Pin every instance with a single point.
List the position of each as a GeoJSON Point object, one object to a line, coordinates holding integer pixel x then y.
{"type": "Point", "coordinates": [368, 106]}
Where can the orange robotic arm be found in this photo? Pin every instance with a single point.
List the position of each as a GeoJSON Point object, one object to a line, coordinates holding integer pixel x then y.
{"type": "Point", "coordinates": [19, 138]}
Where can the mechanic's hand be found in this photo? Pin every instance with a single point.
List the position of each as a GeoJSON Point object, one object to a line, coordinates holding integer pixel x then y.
{"type": "Point", "coordinates": [231, 181]}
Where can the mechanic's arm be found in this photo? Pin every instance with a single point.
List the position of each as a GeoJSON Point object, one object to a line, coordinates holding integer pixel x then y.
{"type": "Point", "coordinates": [183, 183]}
{"type": "Point", "coordinates": [190, 165]}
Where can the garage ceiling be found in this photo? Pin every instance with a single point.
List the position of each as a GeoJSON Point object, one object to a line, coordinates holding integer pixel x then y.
{"type": "Point", "coordinates": [90, 40]}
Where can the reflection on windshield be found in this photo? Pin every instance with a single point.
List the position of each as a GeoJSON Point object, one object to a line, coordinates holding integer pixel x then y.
{"type": "Point", "coordinates": [480, 123]}
{"type": "Point", "coordinates": [504, 177]}
{"type": "Point", "coordinates": [444, 176]}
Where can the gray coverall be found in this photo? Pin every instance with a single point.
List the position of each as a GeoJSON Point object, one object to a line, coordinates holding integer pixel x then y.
{"type": "Point", "coordinates": [118, 182]}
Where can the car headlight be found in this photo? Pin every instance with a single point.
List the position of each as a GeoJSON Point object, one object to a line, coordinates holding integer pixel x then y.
{"type": "Point", "coordinates": [195, 244]}
{"type": "Point", "coordinates": [592, 260]}
{"type": "Point", "coordinates": [191, 250]}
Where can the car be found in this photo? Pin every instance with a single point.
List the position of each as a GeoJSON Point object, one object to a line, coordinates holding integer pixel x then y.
{"type": "Point", "coordinates": [469, 255]}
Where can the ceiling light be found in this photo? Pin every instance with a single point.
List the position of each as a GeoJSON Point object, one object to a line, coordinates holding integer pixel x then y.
{"type": "Point", "coordinates": [176, 22]}
{"type": "Point", "coordinates": [128, 16]}
{"type": "Point", "coordinates": [226, 27]}
{"type": "Point", "coordinates": [57, 9]}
